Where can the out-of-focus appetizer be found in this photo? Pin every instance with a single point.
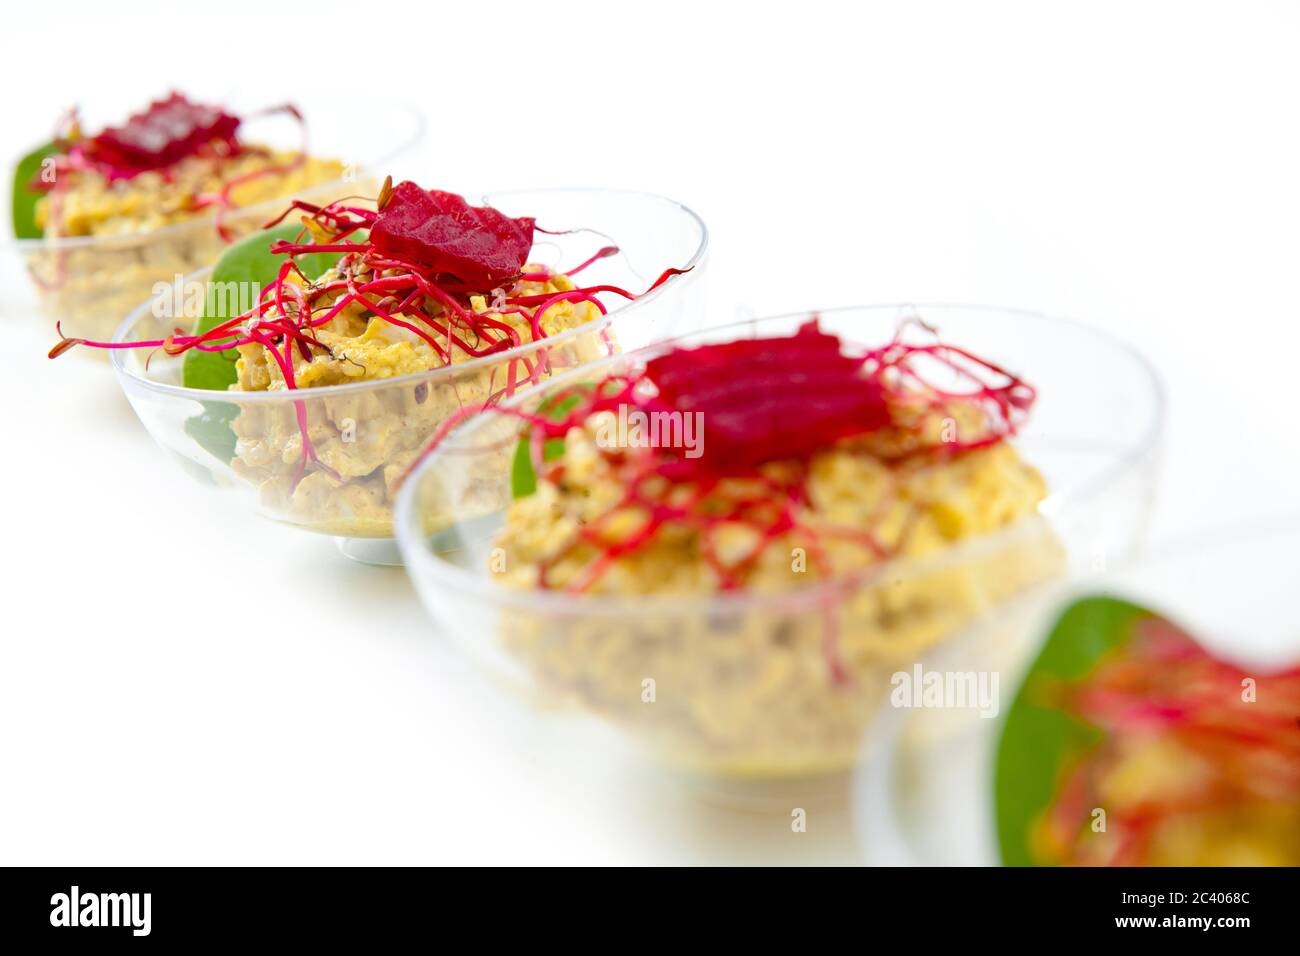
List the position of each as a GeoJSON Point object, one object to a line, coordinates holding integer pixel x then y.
{"type": "Point", "coordinates": [1131, 745]}
{"type": "Point", "coordinates": [175, 160]}
{"type": "Point", "coordinates": [108, 214]}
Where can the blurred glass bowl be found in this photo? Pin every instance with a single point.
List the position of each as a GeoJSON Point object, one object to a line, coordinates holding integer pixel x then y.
{"type": "Point", "coordinates": [89, 283]}
{"type": "Point", "coordinates": [741, 689]}
{"type": "Point", "coordinates": [391, 419]}
{"type": "Point", "coordinates": [924, 792]}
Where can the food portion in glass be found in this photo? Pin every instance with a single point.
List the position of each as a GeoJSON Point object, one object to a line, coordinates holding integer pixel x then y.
{"type": "Point", "coordinates": [1130, 744]}
{"type": "Point", "coordinates": [175, 160]}
{"type": "Point", "coordinates": [101, 218]}
{"type": "Point", "coordinates": [1147, 719]}
{"type": "Point", "coordinates": [756, 528]}
{"type": "Point", "coordinates": [324, 352]}
{"type": "Point", "coordinates": [704, 471]}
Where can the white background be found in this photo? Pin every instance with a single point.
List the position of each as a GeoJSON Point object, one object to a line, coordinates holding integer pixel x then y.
{"type": "Point", "coordinates": [180, 683]}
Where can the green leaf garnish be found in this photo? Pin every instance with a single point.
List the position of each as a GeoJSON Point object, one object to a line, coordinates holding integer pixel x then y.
{"type": "Point", "coordinates": [1039, 741]}
{"type": "Point", "coordinates": [523, 477]}
{"type": "Point", "coordinates": [247, 265]}
{"type": "Point", "coordinates": [213, 428]}
{"type": "Point", "coordinates": [24, 197]}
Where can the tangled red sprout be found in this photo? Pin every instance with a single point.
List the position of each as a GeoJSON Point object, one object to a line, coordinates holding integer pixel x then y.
{"type": "Point", "coordinates": [416, 272]}
{"type": "Point", "coordinates": [155, 140]}
{"type": "Point", "coordinates": [1167, 687]}
{"type": "Point", "coordinates": [763, 401]}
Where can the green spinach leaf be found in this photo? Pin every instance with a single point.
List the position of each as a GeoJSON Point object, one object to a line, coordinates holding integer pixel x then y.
{"type": "Point", "coordinates": [24, 205]}
{"type": "Point", "coordinates": [523, 477]}
{"type": "Point", "coordinates": [240, 274]}
{"type": "Point", "coordinates": [1039, 740]}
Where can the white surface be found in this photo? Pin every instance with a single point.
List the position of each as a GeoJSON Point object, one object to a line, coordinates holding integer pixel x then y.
{"type": "Point", "coordinates": [182, 684]}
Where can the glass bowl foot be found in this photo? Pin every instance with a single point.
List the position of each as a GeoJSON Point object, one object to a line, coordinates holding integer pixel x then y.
{"type": "Point", "coordinates": [381, 552]}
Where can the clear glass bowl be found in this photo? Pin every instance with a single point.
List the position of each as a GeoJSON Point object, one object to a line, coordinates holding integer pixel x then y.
{"type": "Point", "coordinates": [89, 283]}
{"type": "Point", "coordinates": [382, 424]}
{"type": "Point", "coordinates": [742, 695]}
{"type": "Point", "coordinates": [924, 790]}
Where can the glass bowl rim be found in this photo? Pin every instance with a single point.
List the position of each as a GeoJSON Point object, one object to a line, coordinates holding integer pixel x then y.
{"type": "Point", "coordinates": [812, 597]}
{"type": "Point", "coordinates": [269, 207]}
{"type": "Point", "coordinates": [432, 376]}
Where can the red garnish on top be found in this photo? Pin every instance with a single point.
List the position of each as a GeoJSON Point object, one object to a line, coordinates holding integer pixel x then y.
{"type": "Point", "coordinates": [168, 131]}
{"type": "Point", "coordinates": [780, 399]}
{"type": "Point", "coordinates": [769, 399]}
{"type": "Point", "coordinates": [472, 247]}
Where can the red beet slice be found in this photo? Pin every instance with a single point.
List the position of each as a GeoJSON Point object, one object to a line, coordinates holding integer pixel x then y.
{"type": "Point", "coordinates": [770, 399]}
{"type": "Point", "coordinates": [477, 245]}
{"type": "Point", "coordinates": [165, 133]}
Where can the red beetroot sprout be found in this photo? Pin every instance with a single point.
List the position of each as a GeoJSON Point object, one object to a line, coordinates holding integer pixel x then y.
{"type": "Point", "coordinates": [222, 199]}
{"type": "Point", "coordinates": [603, 253]}
{"type": "Point", "coordinates": [577, 295]}
{"type": "Point", "coordinates": [333, 212]}
{"type": "Point", "coordinates": [593, 290]}
{"type": "Point", "coordinates": [300, 407]}
{"type": "Point", "coordinates": [278, 286]}
{"type": "Point", "coordinates": [393, 320]}
{"type": "Point", "coordinates": [282, 247]}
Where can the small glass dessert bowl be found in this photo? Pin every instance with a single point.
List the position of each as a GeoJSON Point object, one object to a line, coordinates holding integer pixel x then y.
{"type": "Point", "coordinates": [317, 399]}
{"type": "Point", "coordinates": [101, 220]}
{"type": "Point", "coordinates": [726, 543]}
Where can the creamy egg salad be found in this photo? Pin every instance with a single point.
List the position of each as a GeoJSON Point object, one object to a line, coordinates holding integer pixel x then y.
{"type": "Point", "coordinates": [917, 507]}
{"type": "Point", "coordinates": [368, 439]}
{"type": "Point", "coordinates": [768, 603]}
{"type": "Point", "coordinates": [92, 204]}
